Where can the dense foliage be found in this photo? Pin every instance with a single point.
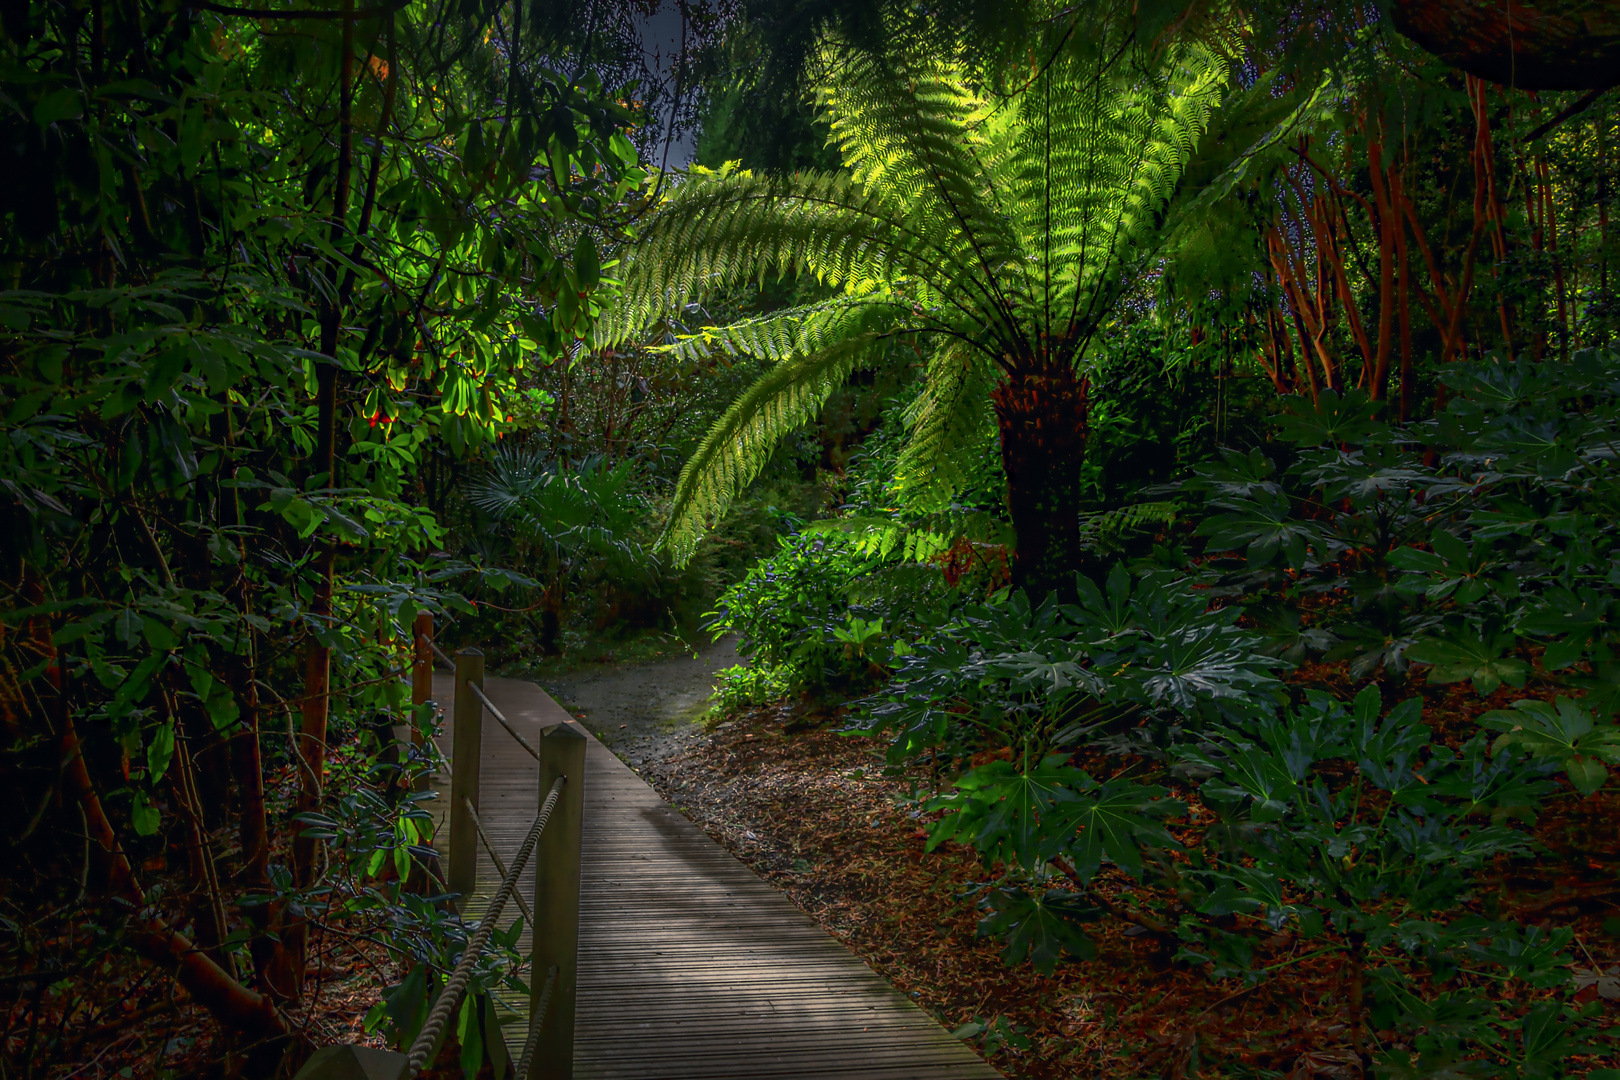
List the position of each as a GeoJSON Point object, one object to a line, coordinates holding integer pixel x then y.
{"type": "Point", "coordinates": [261, 268]}
{"type": "Point", "coordinates": [1249, 817]}
{"type": "Point", "coordinates": [1185, 433]}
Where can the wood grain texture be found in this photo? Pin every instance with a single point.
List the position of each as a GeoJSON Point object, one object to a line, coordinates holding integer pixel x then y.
{"type": "Point", "coordinates": [690, 966]}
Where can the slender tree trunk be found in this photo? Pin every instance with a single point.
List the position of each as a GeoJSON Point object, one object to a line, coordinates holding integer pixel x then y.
{"type": "Point", "coordinates": [1485, 174]}
{"type": "Point", "coordinates": [1041, 412]}
{"type": "Point", "coordinates": [1408, 391]}
{"type": "Point", "coordinates": [316, 703]}
{"type": "Point", "coordinates": [207, 902]}
{"type": "Point", "coordinates": [1358, 988]}
{"type": "Point", "coordinates": [311, 742]}
{"type": "Point", "coordinates": [1603, 231]}
{"type": "Point", "coordinates": [1385, 186]}
{"type": "Point", "coordinates": [252, 826]}
{"type": "Point", "coordinates": [239, 672]}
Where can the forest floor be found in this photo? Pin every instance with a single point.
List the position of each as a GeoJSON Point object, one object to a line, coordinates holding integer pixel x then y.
{"type": "Point", "coordinates": [812, 813]}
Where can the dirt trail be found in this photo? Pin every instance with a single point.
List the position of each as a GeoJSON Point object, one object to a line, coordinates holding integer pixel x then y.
{"type": "Point", "coordinates": [646, 713]}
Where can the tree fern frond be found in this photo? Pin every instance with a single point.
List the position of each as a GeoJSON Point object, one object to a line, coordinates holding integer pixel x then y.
{"type": "Point", "coordinates": [1097, 157]}
{"type": "Point", "coordinates": [999, 231]}
{"type": "Point", "coordinates": [740, 443]}
{"type": "Point", "coordinates": [781, 335]}
{"type": "Point", "coordinates": [950, 418]}
{"type": "Point", "coordinates": [884, 536]}
{"type": "Point", "coordinates": [719, 229]}
{"type": "Point", "coordinates": [1109, 524]}
{"type": "Point", "coordinates": [910, 127]}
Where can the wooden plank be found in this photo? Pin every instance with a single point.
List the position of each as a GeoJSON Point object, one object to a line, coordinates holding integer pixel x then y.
{"type": "Point", "coordinates": [690, 966]}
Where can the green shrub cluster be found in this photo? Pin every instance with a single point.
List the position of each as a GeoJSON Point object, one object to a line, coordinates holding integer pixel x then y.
{"type": "Point", "coordinates": [1139, 751]}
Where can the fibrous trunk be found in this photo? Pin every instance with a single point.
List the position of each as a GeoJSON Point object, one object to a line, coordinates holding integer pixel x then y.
{"type": "Point", "coordinates": [1041, 412]}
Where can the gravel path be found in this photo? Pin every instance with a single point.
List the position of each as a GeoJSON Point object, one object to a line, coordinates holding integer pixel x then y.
{"type": "Point", "coordinates": [645, 713]}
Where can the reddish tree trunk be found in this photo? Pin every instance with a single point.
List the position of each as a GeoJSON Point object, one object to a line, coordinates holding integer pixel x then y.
{"type": "Point", "coordinates": [318, 663]}
{"type": "Point", "coordinates": [1041, 412]}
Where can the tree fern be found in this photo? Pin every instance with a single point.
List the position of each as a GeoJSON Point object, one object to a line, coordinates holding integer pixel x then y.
{"type": "Point", "coordinates": [995, 232]}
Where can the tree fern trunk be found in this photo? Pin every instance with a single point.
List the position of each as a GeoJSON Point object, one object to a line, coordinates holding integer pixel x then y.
{"type": "Point", "coordinates": [1041, 412]}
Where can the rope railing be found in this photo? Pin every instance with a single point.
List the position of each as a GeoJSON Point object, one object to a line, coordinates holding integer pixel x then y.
{"type": "Point", "coordinates": [455, 988]}
{"type": "Point", "coordinates": [551, 853]}
{"type": "Point", "coordinates": [495, 857]}
{"type": "Point", "coordinates": [478, 691]}
{"type": "Point", "coordinates": [536, 1023]}
{"type": "Point", "coordinates": [499, 716]}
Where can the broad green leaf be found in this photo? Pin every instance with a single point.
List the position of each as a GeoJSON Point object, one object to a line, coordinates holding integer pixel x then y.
{"type": "Point", "coordinates": [1039, 928]}
{"type": "Point", "coordinates": [587, 264]}
{"type": "Point", "coordinates": [158, 634]}
{"type": "Point", "coordinates": [58, 105]}
{"type": "Point", "coordinates": [1467, 654]}
{"type": "Point", "coordinates": [470, 1033]}
{"type": "Point", "coordinates": [1006, 814]}
{"type": "Point", "coordinates": [159, 751]}
{"type": "Point", "coordinates": [144, 818]}
{"type": "Point", "coordinates": [1330, 420]}
{"type": "Point", "coordinates": [1114, 821]}
{"type": "Point", "coordinates": [1563, 731]}
{"type": "Point", "coordinates": [1586, 774]}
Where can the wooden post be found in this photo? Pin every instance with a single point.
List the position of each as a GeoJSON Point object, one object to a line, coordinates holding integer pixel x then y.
{"type": "Point", "coordinates": [556, 901]}
{"type": "Point", "coordinates": [467, 746]}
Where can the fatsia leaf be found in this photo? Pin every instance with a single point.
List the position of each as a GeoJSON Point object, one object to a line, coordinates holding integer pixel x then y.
{"type": "Point", "coordinates": [1039, 928]}
{"type": "Point", "coordinates": [1240, 476]}
{"type": "Point", "coordinates": [1329, 420]}
{"type": "Point", "coordinates": [1265, 525]}
{"type": "Point", "coordinates": [1113, 821]}
{"type": "Point", "coordinates": [1007, 814]}
{"type": "Point", "coordinates": [1562, 731]}
{"type": "Point", "coordinates": [1476, 656]}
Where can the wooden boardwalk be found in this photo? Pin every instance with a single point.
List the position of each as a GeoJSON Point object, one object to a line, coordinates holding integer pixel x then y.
{"type": "Point", "coordinates": [690, 966]}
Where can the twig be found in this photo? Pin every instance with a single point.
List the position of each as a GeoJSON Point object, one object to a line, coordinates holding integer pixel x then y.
{"type": "Point", "coordinates": [103, 1053]}
{"type": "Point", "coordinates": [1136, 917]}
{"type": "Point", "coordinates": [1585, 102]}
